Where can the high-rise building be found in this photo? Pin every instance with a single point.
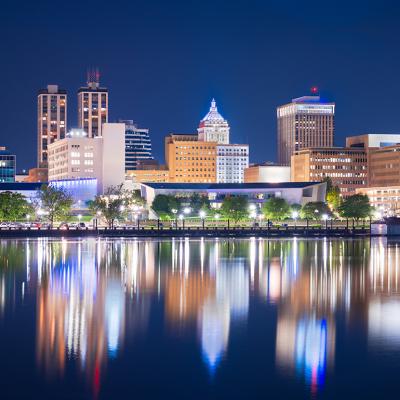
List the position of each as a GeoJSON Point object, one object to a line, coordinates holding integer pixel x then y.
{"type": "Point", "coordinates": [213, 127]}
{"type": "Point", "coordinates": [92, 106]}
{"type": "Point", "coordinates": [137, 145]}
{"type": "Point", "coordinates": [52, 119]}
{"type": "Point", "coordinates": [232, 160]}
{"type": "Point", "coordinates": [78, 157]}
{"type": "Point", "coordinates": [347, 167]}
{"type": "Point", "coordinates": [305, 122]}
{"type": "Point", "coordinates": [7, 165]}
{"type": "Point", "coordinates": [190, 160]}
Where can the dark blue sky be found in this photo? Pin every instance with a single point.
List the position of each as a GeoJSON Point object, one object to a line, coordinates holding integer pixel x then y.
{"type": "Point", "coordinates": [163, 61]}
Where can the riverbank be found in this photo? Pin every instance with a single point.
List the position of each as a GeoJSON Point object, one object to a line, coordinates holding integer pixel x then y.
{"type": "Point", "coordinates": [188, 232]}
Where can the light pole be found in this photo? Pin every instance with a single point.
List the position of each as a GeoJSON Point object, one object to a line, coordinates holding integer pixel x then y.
{"type": "Point", "coordinates": [180, 216]}
{"type": "Point", "coordinates": [202, 215]}
{"type": "Point", "coordinates": [174, 211]}
{"type": "Point", "coordinates": [295, 215]}
{"type": "Point", "coordinates": [325, 218]}
{"type": "Point", "coordinates": [98, 215]}
{"type": "Point", "coordinates": [216, 217]}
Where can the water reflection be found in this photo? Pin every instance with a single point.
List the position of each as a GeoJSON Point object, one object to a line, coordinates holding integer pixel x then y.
{"type": "Point", "coordinates": [95, 297]}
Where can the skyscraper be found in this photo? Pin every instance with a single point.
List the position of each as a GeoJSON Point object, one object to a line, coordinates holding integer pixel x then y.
{"type": "Point", "coordinates": [305, 122]}
{"type": "Point", "coordinates": [92, 105]}
{"type": "Point", "coordinates": [137, 145]}
{"type": "Point", "coordinates": [213, 127]}
{"type": "Point", "coordinates": [52, 119]}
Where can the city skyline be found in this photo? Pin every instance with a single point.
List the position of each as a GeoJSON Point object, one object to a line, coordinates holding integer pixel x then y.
{"type": "Point", "coordinates": [163, 72]}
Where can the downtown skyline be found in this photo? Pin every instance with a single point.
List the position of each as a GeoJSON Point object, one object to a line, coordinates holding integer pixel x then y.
{"type": "Point", "coordinates": [162, 73]}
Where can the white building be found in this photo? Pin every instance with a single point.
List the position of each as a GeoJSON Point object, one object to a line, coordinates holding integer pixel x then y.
{"type": "Point", "coordinates": [267, 173]}
{"type": "Point", "coordinates": [213, 127]}
{"type": "Point", "coordinates": [81, 157]}
{"type": "Point", "coordinates": [232, 160]}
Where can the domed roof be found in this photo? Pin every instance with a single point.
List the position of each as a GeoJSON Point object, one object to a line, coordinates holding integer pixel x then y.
{"type": "Point", "coordinates": [213, 114]}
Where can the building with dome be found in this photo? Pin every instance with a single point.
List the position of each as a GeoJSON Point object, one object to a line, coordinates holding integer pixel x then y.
{"type": "Point", "coordinates": [213, 127]}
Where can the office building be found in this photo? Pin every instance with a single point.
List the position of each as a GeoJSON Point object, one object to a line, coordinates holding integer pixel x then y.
{"type": "Point", "coordinates": [37, 175]}
{"type": "Point", "coordinates": [232, 160]}
{"type": "Point", "coordinates": [384, 166]}
{"type": "Point", "coordinates": [7, 165]}
{"type": "Point", "coordinates": [79, 157]}
{"type": "Point", "coordinates": [257, 193]}
{"type": "Point", "coordinates": [385, 199]}
{"type": "Point", "coordinates": [189, 160]}
{"type": "Point", "coordinates": [213, 127]}
{"type": "Point", "coordinates": [51, 120]}
{"type": "Point", "coordinates": [347, 167]}
{"type": "Point", "coordinates": [266, 173]}
{"type": "Point", "coordinates": [305, 122]}
{"type": "Point", "coordinates": [137, 145]}
{"type": "Point", "coordinates": [92, 106]}
{"type": "Point", "coordinates": [373, 140]}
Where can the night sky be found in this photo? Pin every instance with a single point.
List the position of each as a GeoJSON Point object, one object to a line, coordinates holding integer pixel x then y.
{"type": "Point", "coordinates": [164, 60]}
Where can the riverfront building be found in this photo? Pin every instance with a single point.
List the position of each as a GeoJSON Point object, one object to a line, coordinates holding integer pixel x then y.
{"type": "Point", "coordinates": [347, 167]}
{"type": "Point", "coordinates": [305, 122]}
{"type": "Point", "coordinates": [257, 193]}
{"type": "Point", "coordinates": [80, 157]}
{"type": "Point", "coordinates": [51, 120]}
{"type": "Point", "coordinates": [92, 106]}
{"type": "Point", "coordinates": [213, 127]}
{"type": "Point", "coordinates": [7, 165]}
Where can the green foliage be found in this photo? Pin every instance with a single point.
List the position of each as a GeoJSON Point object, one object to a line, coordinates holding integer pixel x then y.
{"type": "Point", "coordinates": [164, 204]}
{"type": "Point", "coordinates": [314, 210]}
{"type": "Point", "coordinates": [333, 197]}
{"type": "Point", "coordinates": [356, 206]}
{"type": "Point", "coordinates": [116, 203]}
{"type": "Point", "coordinates": [235, 207]}
{"type": "Point", "coordinates": [14, 207]}
{"type": "Point", "coordinates": [295, 207]}
{"type": "Point", "coordinates": [198, 203]}
{"type": "Point", "coordinates": [276, 208]}
{"type": "Point", "coordinates": [55, 202]}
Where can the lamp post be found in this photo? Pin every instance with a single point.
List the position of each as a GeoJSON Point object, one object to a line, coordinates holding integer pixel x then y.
{"type": "Point", "coordinates": [216, 216]}
{"type": "Point", "coordinates": [174, 211]}
{"type": "Point", "coordinates": [295, 215]}
{"type": "Point", "coordinates": [202, 215]}
{"type": "Point", "coordinates": [98, 216]}
{"type": "Point", "coordinates": [325, 218]}
{"type": "Point", "coordinates": [180, 216]}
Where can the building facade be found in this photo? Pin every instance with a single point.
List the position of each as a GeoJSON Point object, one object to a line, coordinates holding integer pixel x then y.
{"type": "Point", "coordinates": [51, 120]}
{"type": "Point", "coordinates": [7, 166]}
{"type": "Point", "coordinates": [232, 160]}
{"type": "Point", "coordinates": [92, 106]}
{"type": "Point", "coordinates": [385, 199]}
{"type": "Point", "coordinates": [213, 127]}
{"type": "Point", "coordinates": [78, 157]}
{"type": "Point", "coordinates": [189, 160]}
{"type": "Point", "coordinates": [384, 166]}
{"type": "Point", "coordinates": [369, 140]}
{"type": "Point", "coordinates": [137, 145]}
{"type": "Point", "coordinates": [347, 167]}
{"type": "Point", "coordinates": [305, 122]}
{"type": "Point", "coordinates": [37, 175]}
{"type": "Point", "coordinates": [266, 173]}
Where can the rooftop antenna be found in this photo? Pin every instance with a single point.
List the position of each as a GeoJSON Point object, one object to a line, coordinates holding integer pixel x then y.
{"type": "Point", "coordinates": [93, 78]}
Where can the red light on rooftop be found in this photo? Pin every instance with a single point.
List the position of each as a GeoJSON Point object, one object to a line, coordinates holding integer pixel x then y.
{"type": "Point", "coordinates": [314, 90]}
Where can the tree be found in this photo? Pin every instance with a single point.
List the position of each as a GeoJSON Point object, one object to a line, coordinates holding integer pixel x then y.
{"type": "Point", "coordinates": [198, 203]}
{"type": "Point", "coordinates": [14, 206]}
{"type": "Point", "coordinates": [276, 208]}
{"type": "Point", "coordinates": [356, 206]}
{"type": "Point", "coordinates": [295, 207]}
{"type": "Point", "coordinates": [314, 210]}
{"type": "Point", "coordinates": [333, 197]}
{"type": "Point", "coordinates": [55, 202]}
{"type": "Point", "coordinates": [235, 207]}
{"type": "Point", "coordinates": [329, 184]}
{"type": "Point", "coordinates": [163, 205]}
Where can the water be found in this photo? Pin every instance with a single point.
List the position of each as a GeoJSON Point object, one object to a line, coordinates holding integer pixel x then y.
{"type": "Point", "coordinates": [197, 319]}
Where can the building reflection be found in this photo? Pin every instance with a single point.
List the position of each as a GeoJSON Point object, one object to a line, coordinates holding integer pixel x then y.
{"type": "Point", "coordinates": [96, 297]}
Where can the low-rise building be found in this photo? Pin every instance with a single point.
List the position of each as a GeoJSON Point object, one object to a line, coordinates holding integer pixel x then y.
{"type": "Point", "coordinates": [232, 160]}
{"type": "Point", "coordinates": [37, 175]}
{"type": "Point", "coordinates": [7, 165]}
{"type": "Point", "coordinates": [189, 160]}
{"type": "Point", "coordinates": [78, 156]}
{"type": "Point", "coordinates": [347, 167]}
{"type": "Point", "coordinates": [266, 173]}
{"type": "Point", "coordinates": [257, 193]}
{"type": "Point", "coordinates": [385, 199]}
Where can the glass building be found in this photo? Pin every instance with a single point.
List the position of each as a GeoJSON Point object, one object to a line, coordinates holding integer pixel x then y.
{"type": "Point", "coordinates": [7, 166]}
{"type": "Point", "coordinates": [137, 145]}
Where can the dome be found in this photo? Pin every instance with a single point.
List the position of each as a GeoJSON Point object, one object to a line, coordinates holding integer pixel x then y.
{"type": "Point", "coordinates": [213, 114]}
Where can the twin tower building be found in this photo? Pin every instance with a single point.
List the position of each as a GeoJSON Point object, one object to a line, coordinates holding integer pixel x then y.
{"type": "Point", "coordinates": [204, 157]}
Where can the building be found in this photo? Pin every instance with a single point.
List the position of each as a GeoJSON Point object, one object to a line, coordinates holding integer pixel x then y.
{"type": "Point", "coordinates": [232, 160]}
{"type": "Point", "coordinates": [51, 119]}
{"type": "Point", "coordinates": [21, 176]}
{"type": "Point", "coordinates": [213, 127]}
{"type": "Point", "coordinates": [137, 145]}
{"type": "Point", "coordinates": [138, 176]}
{"type": "Point", "coordinates": [37, 175]}
{"type": "Point", "coordinates": [80, 157]}
{"type": "Point", "coordinates": [92, 106]}
{"type": "Point", "coordinates": [189, 160]}
{"type": "Point", "coordinates": [347, 167]}
{"type": "Point", "coordinates": [373, 140]}
{"type": "Point", "coordinates": [386, 200]}
{"type": "Point", "coordinates": [384, 166]}
{"type": "Point", "coordinates": [306, 122]}
{"type": "Point", "coordinates": [257, 193]}
{"type": "Point", "coordinates": [7, 165]}
{"type": "Point", "coordinates": [266, 173]}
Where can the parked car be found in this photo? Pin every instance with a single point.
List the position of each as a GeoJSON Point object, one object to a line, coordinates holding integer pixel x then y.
{"type": "Point", "coordinates": [81, 225]}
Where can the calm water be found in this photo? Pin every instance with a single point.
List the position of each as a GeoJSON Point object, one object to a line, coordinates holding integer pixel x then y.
{"type": "Point", "coordinates": [199, 319]}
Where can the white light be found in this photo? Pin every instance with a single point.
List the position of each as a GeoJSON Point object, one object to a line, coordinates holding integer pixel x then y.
{"type": "Point", "coordinates": [202, 214]}
{"type": "Point", "coordinates": [216, 216]}
{"type": "Point", "coordinates": [174, 210]}
{"type": "Point", "coordinates": [28, 217]}
{"type": "Point", "coordinates": [252, 207]}
{"type": "Point", "coordinates": [295, 214]}
{"type": "Point", "coordinates": [180, 216]}
{"type": "Point", "coordinates": [253, 214]}
{"type": "Point", "coordinates": [187, 210]}
{"type": "Point", "coordinates": [79, 216]}
{"type": "Point", "coordinates": [325, 217]}
{"type": "Point", "coordinates": [122, 208]}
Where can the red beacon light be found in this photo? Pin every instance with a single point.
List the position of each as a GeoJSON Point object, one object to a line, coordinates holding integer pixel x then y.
{"type": "Point", "coordinates": [314, 90]}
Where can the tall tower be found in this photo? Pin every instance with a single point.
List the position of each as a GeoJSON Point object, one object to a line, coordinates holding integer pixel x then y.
{"type": "Point", "coordinates": [92, 105]}
{"type": "Point", "coordinates": [213, 127]}
{"type": "Point", "coordinates": [305, 122]}
{"type": "Point", "coordinates": [52, 120]}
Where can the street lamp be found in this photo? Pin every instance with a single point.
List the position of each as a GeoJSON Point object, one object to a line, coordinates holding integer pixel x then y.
{"type": "Point", "coordinates": [180, 216]}
{"type": "Point", "coordinates": [325, 218]}
{"type": "Point", "coordinates": [202, 215]}
{"type": "Point", "coordinates": [295, 215]}
{"type": "Point", "coordinates": [174, 211]}
{"type": "Point", "coordinates": [187, 210]}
